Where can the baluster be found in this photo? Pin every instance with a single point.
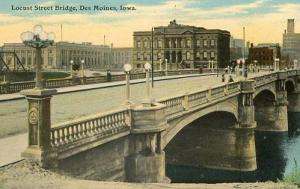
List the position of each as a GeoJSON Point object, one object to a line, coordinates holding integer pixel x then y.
{"type": "Point", "coordinates": [106, 126]}
{"type": "Point", "coordinates": [102, 126]}
{"type": "Point", "coordinates": [68, 137]}
{"type": "Point", "coordinates": [62, 136]}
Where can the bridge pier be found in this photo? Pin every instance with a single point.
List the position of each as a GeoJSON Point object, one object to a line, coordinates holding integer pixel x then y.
{"type": "Point", "coordinates": [147, 161]}
{"type": "Point", "coordinates": [294, 93]}
{"type": "Point", "coordinates": [245, 139]}
{"type": "Point", "coordinates": [294, 102]}
{"type": "Point", "coordinates": [39, 123]}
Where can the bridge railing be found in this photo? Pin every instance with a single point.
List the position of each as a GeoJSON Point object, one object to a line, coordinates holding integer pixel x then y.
{"type": "Point", "coordinates": [54, 83]}
{"type": "Point", "coordinates": [292, 72]}
{"type": "Point", "coordinates": [65, 82]}
{"type": "Point", "coordinates": [174, 105]}
{"type": "Point", "coordinates": [178, 104]}
{"type": "Point", "coordinates": [265, 79]}
{"type": "Point", "coordinates": [18, 86]}
{"type": "Point", "coordinates": [100, 125]}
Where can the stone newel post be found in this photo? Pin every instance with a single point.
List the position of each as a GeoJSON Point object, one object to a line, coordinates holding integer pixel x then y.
{"type": "Point", "coordinates": [147, 162]}
{"type": "Point", "coordinates": [39, 124]}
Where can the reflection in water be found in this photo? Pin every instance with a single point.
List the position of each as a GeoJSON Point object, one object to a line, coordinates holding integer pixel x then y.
{"type": "Point", "coordinates": [276, 153]}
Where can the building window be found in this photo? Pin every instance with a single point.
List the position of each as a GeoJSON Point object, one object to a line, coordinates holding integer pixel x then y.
{"type": "Point", "coordinates": [188, 43]}
{"type": "Point", "coordinates": [28, 60]}
{"type": "Point", "coordinates": [50, 61]}
{"type": "Point", "coordinates": [212, 54]}
{"type": "Point", "coordinates": [138, 44]}
{"type": "Point", "coordinates": [158, 55]}
{"type": "Point", "coordinates": [145, 44]}
{"type": "Point", "coordinates": [204, 42]}
{"type": "Point", "coordinates": [198, 56]}
{"type": "Point", "coordinates": [198, 43]}
{"type": "Point", "coordinates": [212, 42]}
{"type": "Point", "coordinates": [139, 56]}
{"type": "Point", "coordinates": [159, 44]}
{"type": "Point", "coordinates": [145, 56]}
{"type": "Point", "coordinates": [188, 55]}
{"type": "Point", "coordinates": [204, 54]}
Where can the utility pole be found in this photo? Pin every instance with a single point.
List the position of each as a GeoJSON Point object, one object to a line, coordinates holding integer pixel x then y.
{"type": "Point", "coordinates": [152, 61]}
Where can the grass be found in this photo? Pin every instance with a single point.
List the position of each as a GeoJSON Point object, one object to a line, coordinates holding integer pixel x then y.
{"type": "Point", "coordinates": [29, 76]}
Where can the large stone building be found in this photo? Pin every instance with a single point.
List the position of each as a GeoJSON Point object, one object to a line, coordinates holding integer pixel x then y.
{"type": "Point", "coordinates": [264, 54]}
{"type": "Point", "coordinates": [291, 42]}
{"type": "Point", "coordinates": [183, 46]}
{"type": "Point", "coordinates": [60, 54]}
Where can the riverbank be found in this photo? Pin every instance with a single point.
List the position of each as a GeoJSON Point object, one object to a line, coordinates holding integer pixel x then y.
{"type": "Point", "coordinates": [27, 175]}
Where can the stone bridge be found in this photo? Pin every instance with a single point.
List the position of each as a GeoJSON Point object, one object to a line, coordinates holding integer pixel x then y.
{"type": "Point", "coordinates": [130, 144]}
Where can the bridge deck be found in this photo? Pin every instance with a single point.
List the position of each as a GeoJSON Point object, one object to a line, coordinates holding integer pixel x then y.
{"type": "Point", "coordinates": [73, 105]}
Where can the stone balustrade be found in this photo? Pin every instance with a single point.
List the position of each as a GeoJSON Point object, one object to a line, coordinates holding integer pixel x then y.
{"type": "Point", "coordinates": [54, 83]}
{"type": "Point", "coordinates": [100, 125]}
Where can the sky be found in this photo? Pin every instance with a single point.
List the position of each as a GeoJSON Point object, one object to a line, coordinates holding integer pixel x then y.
{"type": "Point", "coordinates": [264, 20]}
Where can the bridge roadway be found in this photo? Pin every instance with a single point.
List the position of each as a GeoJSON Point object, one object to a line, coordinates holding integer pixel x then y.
{"type": "Point", "coordinates": [68, 106]}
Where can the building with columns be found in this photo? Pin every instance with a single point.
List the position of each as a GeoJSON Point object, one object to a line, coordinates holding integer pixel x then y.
{"type": "Point", "coordinates": [61, 53]}
{"type": "Point", "coordinates": [183, 46]}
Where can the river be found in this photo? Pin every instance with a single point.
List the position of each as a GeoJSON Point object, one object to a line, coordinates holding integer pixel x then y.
{"type": "Point", "coordinates": [277, 155]}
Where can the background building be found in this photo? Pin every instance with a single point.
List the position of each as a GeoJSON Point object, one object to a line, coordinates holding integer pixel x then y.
{"type": "Point", "coordinates": [264, 53]}
{"type": "Point", "coordinates": [183, 46]}
{"type": "Point", "coordinates": [121, 56]}
{"type": "Point", "coordinates": [60, 54]}
{"type": "Point", "coordinates": [291, 42]}
{"type": "Point", "coordinates": [236, 48]}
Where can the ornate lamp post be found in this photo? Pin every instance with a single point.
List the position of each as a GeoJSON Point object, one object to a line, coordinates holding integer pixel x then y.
{"type": "Point", "coordinates": [38, 39]}
{"type": "Point", "coordinates": [39, 117]}
{"type": "Point", "coordinates": [82, 68]}
{"type": "Point", "coordinates": [82, 72]}
{"type": "Point", "coordinates": [147, 102]}
{"type": "Point", "coordinates": [160, 63]}
{"type": "Point", "coordinates": [243, 68]}
{"type": "Point", "coordinates": [127, 69]}
{"type": "Point", "coordinates": [276, 64]}
{"type": "Point", "coordinates": [71, 67]}
{"type": "Point", "coordinates": [166, 67]}
{"type": "Point", "coordinates": [295, 64]}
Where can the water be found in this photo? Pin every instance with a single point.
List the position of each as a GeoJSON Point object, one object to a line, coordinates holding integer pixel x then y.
{"type": "Point", "coordinates": [276, 157]}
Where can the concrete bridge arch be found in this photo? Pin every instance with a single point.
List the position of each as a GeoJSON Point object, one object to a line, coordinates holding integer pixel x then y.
{"type": "Point", "coordinates": [175, 126]}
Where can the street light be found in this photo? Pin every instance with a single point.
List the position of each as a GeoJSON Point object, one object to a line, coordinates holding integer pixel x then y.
{"type": "Point", "coordinates": [166, 67]}
{"type": "Point", "coordinates": [276, 64]}
{"type": "Point", "coordinates": [160, 63]}
{"type": "Point", "coordinates": [127, 68]}
{"type": "Point", "coordinates": [147, 67]}
{"type": "Point", "coordinates": [295, 64]}
{"type": "Point", "coordinates": [38, 39]}
{"type": "Point", "coordinates": [82, 68]}
{"type": "Point", "coordinates": [71, 66]}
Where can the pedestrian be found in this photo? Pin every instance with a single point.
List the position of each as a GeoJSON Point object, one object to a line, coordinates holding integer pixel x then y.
{"type": "Point", "coordinates": [230, 79]}
{"type": "Point", "coordinates": [223, 77]}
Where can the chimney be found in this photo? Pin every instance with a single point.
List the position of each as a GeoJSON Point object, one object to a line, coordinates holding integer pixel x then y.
{"type": "Point", "coordinates": [291, 26]}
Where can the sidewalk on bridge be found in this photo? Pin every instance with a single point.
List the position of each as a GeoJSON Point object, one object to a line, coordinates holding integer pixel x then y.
{"type": "Point", "coordinates": [15, 96]}
{"type": "Point", "coordinates": [11, 148]}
